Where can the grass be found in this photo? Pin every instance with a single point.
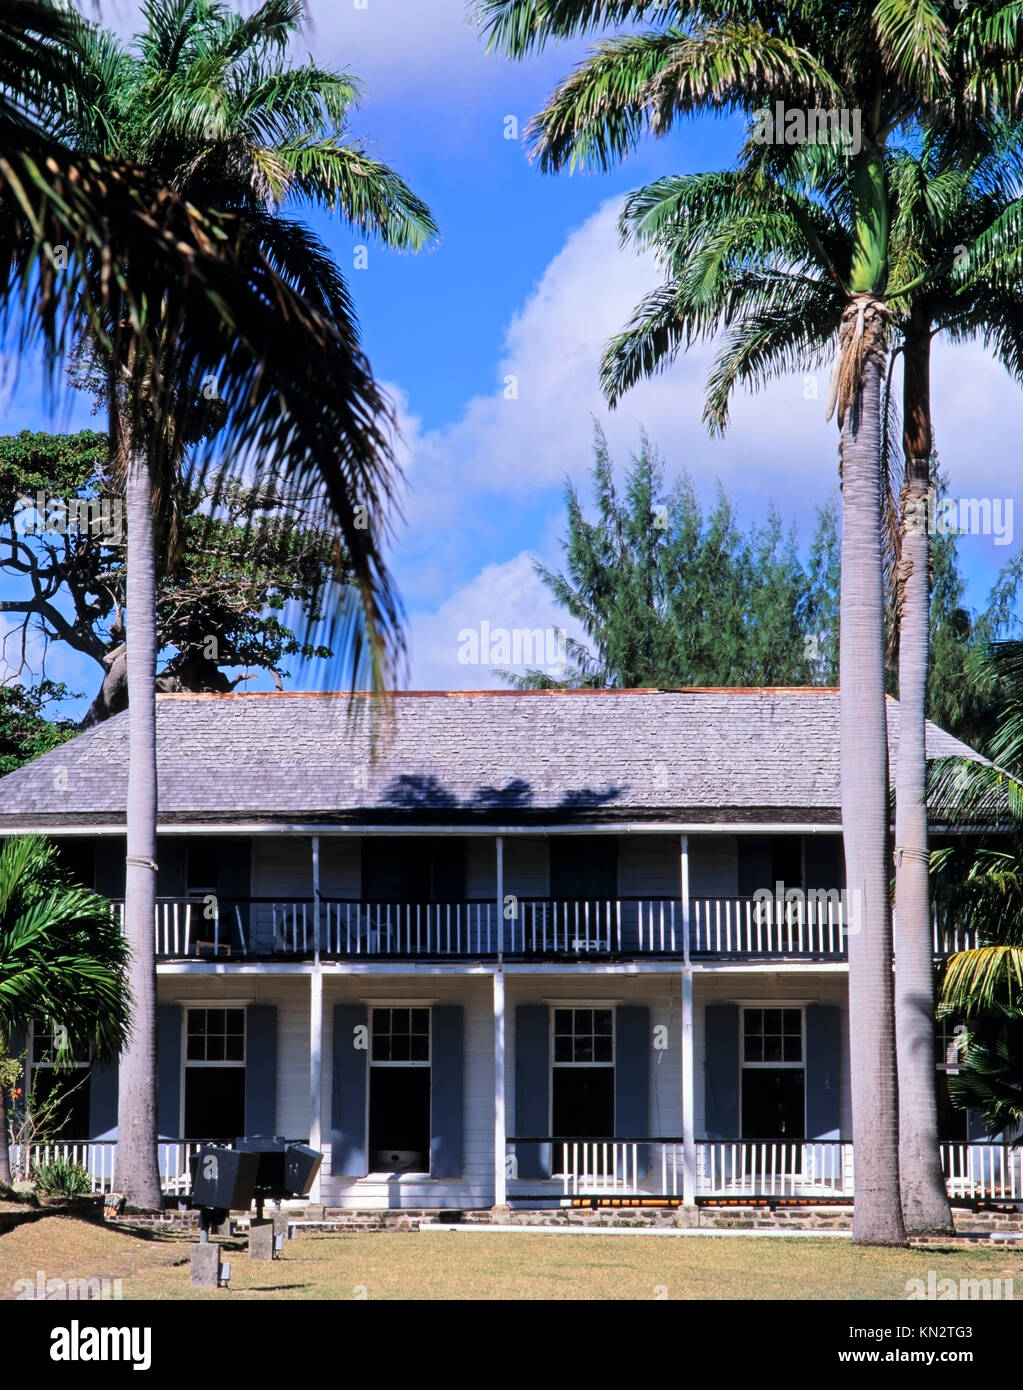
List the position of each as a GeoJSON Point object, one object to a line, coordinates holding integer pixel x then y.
{"type": "Point", "coordinates": [458, 1265]}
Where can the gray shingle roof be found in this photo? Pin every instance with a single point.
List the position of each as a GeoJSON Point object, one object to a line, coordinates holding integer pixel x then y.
{"type": "Point", "coordinates": [686, 755]}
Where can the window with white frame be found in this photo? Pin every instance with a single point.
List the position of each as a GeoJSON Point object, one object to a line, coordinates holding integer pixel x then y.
{"type": "Point", "coordinates": [583, 1075]}
{"type": "Point", "coordinates": [214, 1073]}
{"type": "Point", "coordinates": [58, 1086]}
{"type": "Point", "coordinates": [773, 1076]}
{"type": "Point", "coordinates": [399, 1089]}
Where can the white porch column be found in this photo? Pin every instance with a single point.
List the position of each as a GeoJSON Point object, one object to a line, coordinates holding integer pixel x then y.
{"type": "Point", "coordinates": [315, 1065]}
{"type": "Point", "coordinates": [499, 842]}
{"type": "Point", "coordinates": [500, 1130]}
{"type": "Point", "coordinates": [688, 1093]}
{"type": "Point", "coordinates": [684, 889]}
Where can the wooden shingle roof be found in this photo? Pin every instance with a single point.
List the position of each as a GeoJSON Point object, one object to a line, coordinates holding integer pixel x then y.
{"type": "Point", "coordinates": [693, 756]}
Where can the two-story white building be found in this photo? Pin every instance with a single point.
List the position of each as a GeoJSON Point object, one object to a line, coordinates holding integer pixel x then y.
{"type": "Point", "coordinates": [494, 947]}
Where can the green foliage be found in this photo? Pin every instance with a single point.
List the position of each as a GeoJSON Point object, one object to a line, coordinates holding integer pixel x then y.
{"type": "Point", "coordinates": [671, 596]}
{"type": "Point", "coordinates": [245, 556]}
{"type": "Point", "coordinates": [59, 1177]}
{"type": "Point", "coordinates": [62, 955]}
{"type": "Point", "coordinates": [24, 733]}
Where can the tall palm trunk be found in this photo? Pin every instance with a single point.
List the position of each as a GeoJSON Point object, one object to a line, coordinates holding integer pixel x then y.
{"type": "Point", "coordinates": [137, 1173]}
{"type": "Point", "coordinates": [925, 1204]}
{"type": "Point", "coordinates": [877, 1218]}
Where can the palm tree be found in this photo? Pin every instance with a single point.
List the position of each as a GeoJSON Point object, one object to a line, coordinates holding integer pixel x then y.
{"type": "Point", "coordinates": [61, 961]}
{"type": "Point", "coordinates": [207, 102]}
{"type": "Point", "coordinates": [981, 884]}
{"type": "Point", "coordinates": [888, 64]}
{"type": "Point", "coordinates": [173, 294]}
{"type": "Point", "coordinates": [739, 255]}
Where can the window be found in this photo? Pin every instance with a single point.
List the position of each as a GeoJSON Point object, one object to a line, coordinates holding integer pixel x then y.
{"type": "Point", "coordinates": [773, 1080]}
{"type": "Point", "coordinates": [214, 1074]}
{"type": "Point", "coordinates": [582, 1084]}
{"type": "Point", "coordinates": [399, 1090]}
{"type": "Point", "coordinates": [59, 1096]}
{"type": "Point", "coordinates": [407, 870]}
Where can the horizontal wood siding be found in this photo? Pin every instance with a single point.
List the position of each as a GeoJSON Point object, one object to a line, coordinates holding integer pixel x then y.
{"type": "Point", "coordinates": [649, 866]}
{"type": "Point", "coordinates": [713, 866]}
{"type": "Point", "coordinates": [476, 1186]}
{"type": "Point", "coordinates": [788, 993]}
{"type": "Point", "coordinates": [662, 995]}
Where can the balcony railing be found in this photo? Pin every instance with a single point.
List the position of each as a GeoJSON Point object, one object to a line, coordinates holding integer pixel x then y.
{"type": "Point", "coordinates": [774, 1168]}
{"type": "Point", "coordinates": [527, 928]}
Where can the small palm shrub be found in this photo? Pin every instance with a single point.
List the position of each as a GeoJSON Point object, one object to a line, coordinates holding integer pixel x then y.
{"type": "Point", "coordinates": [59, 1177]}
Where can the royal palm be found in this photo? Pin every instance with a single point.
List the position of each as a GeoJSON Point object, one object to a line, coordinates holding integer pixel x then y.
{"type": "Point", "coordinates": [887, 62]}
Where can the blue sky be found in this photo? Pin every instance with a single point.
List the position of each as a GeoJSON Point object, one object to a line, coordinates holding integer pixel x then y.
{"type": "Point", "coordinates": [528, 281]}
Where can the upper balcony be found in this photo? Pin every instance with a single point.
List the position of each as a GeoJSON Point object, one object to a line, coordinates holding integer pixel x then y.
{"type": "Point", "coordinates": [738, 929]}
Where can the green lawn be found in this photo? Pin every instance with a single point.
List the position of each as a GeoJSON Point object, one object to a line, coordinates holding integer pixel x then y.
{"type": "Point", "coordinates": [449, 1264]}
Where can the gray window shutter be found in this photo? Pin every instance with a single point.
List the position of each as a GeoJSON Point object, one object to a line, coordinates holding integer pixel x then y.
{"type": "Point", "coordinates": [349, 1115]}
{"type": "Point", "coordinates": [721, 1071]}
{"type": "Point", "coordinates": [103, 1100]}
{"type": "Point", "coordinates": [532, 1088]}
{"type": "Point", "coordinates": [823, 1071]}
{"type": "Point", "coordinates": [446, 1088]}
{"type": "Point", "coordinates": [168, 1061]}
{"type": "Point", "coordinates": [261, 1069]}
{"type": "Point", "coordinates": [632, 1077]}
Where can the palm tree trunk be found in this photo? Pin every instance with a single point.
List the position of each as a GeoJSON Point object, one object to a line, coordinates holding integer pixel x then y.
{"type": "Point", "coordinates": [925, 1204]}
{"type": "Point", "coordinates": [877, 1217]}
{"type": "Point", "coordinates": [137, 1175]}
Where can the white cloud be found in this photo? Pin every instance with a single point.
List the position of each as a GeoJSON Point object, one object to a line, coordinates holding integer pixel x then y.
{"type": "Point", "coordinates": [502, 598]}
{"type": "Point", "coordinates": [477, 484]}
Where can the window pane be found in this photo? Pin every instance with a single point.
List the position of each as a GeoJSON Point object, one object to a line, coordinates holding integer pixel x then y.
{"type": "Point", "coordinates": [583, 1021]}
{"type": "Point", "coordinates": [562, 1020]}
{"type": "Point", "coordinates": [400, 1020]}
{"type": "Point", "coordinates": [420, 1048]}
{"type": "Point", "coordinates": [196, 1049]}
{"type": "Point", "coordinates": [215, 1049]}
{"type": "Point", "coordinates": [603, 1050]}
{"type": "Point", "coordinates": [793, 1022]}
{"type": "Point", "coordinates": [772, 1020]}
{"type": "Point", "coordinates": [603, 1022]}
{"type": "Point", "coordinates": [381, 1021]}
{"type": "Point", "coordinates": [563, 1049]}
{"type": "Point", "coordinates": [421, 1020]}
{"type": "Point", "coordinates": [793, 1049]}
{"type": "Point", "coordinates": [753, 1021]}
{"type": "Point", "coordinates": [235, 1049]}
{"type": "Point", "coordinates": [215, 1019]}
{"type": "Point", "coordinates": [772, 1049]}
{"type": "Point", "coordinates": [381, 1049]}
{"type": "Point", "coordinates": [753, 1049]}
{"type": "Point", "coordinates": [236, 1021]}
{"type": "Point", "coordinates": [584, 1050]}
{"type": "Point", "coordinates": [400, 1047]}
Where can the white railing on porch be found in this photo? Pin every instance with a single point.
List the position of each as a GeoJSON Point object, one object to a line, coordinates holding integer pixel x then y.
{"type": "Point", "coordinates": [354, 928]}
{"type": "Point", "coordinates": [606, 1167]}
{"type": "Point", "coordinates": [774, 1168]}
{"type": "Point", "coordinates": [983, 1171]}
{"type": "Point", "coordinates": [99, 1159]}
{"type": "Point", "coordinates": [741, 926]}
{"type": "Point", "coordinates": [543, 927]}
{"type": "Point", "coordinates": [192, 926]}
